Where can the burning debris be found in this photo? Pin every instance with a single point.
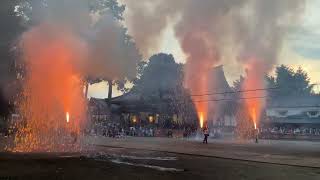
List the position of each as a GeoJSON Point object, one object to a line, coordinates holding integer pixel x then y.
{"type": "Point", "coordinates": [52, 90]}
{"type": "Point", "coordinates": [67, 117]}
{"type": "Point", "coordinates": [201, 119]}
{"type": "Point", "coordinates": [66, 46]}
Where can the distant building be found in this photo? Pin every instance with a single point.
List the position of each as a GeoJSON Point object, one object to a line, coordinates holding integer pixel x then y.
{"type": "Point", "coordinates": [295, 111]}
{"type": "Point", "coordinates": [99, 110]}
{"type": "Point", "coordinates": [136, 108]}
{"type": "Point", "coordinates": [161, 108]}
{"type": "Point", "coordinates": [220, 106]}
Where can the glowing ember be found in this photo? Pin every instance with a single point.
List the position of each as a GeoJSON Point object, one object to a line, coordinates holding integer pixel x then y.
{"type": "Point", "coordinates": [255, 79]}
{"type": "Point", "coordinates": [196, 77]}
{"type": "Point", "coordinates": [151, 119]}
{"type": "Point", "coordinates": [52, 84]}
{"type": "Point", "coordinates": [201, 119]}
{"type": "Point", "coordinates": [253, 115]}
{"type": "Point", "coordinates": [134, 119]}
{"type": "Point", "coordinates": [67, 117]}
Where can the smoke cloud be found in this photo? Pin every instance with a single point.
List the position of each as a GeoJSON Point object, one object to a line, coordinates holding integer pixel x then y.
{"type": "Point", "coordinates": [208, 30]}
{"type": "Point", "coordinates": [108, 53]}
{"type": "Point", "coordinates": [65, 45]}
{"type": "Point", "coordinates": [252, 27]}
{"type": "Point", "coordinates": [147, 20]}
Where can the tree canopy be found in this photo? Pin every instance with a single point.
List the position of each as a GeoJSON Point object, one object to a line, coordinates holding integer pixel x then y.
{"type": "Point", "coordinates": [285, 82]}
{"type": "Point", "coordinates": [161, 73]}
{"type": "Point", "coordinates": [101, 13]}
{"type": "Point", "coordinates": [24, 8]}
{"type": "Point", "coordinates": [160, 80]}
{"type": "Point", "coordinates": [9, 31]}
{"type": "Point", "coordinates": [289, 82]}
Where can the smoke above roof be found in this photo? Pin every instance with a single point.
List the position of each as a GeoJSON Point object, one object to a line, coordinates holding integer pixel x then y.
{"type": "Point", "coordinates": [208, 31]}
{"type": "Point", "coordinates": [207, 28]}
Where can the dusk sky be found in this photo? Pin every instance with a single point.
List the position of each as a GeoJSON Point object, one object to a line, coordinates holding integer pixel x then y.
{"type": "Point", "coordinates": [301, 48]}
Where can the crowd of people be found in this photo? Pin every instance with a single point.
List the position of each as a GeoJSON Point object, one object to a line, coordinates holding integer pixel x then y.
{"type": "Point", "coordinates": [141, 131]}
{"type": "Point", "coordinates": [303, 131]}
{"type": "Point", "coordinates": [118, 131]}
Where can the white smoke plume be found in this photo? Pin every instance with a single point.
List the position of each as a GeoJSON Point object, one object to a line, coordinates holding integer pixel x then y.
{"type": "Point", "coordinates": [253, 31]}
{"type": "Point", "coordinates": [207, 27]}
{"type": "Point", "coordinates": [107, 53]}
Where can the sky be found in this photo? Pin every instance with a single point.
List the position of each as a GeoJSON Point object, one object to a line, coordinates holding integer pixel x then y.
{"type": "Point", "coordinates": [303, 45]}
{"type": "Point", "coordinates": [301, 48]}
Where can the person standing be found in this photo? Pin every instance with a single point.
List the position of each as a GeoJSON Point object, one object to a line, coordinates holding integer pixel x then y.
{"type": "Point", "coordinates": [256, 134]}
{"type": "Point", "coordinates": [206, 134]}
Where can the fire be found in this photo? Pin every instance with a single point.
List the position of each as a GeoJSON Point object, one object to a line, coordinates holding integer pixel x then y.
{"type": "Point", "coordinates": [253, 115]}
{"type": "Point", "coordinates": [201, 119]}
{"type": "Point", "coordinates": [202, 112]}
{"type": "Point", "coordinates": [197, 70]}
{"type": "Point", "coordinates": [151, 119]}
{"type": "Point", "coordinates": [52, 84]}
{"type": "Point", "coordinates": [67, 117]}
{"type": "Point", "coordinates": [254, 80]}
{"type": "Point", "coordinates": [134, 119]}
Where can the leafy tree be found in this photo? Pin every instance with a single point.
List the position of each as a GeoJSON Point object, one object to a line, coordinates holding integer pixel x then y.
{"type": "Point", "coordinates": [9, 31]}
{"type": "Point", "coordinates": [25, 9]}
{"type": "Point", "coordinates": [290, 83]}
{"type": "Point", "coordinates": [117, 10]}
{"type": "Point", "coordinates": [286, 82]}
{"type": "Point", "coordinates": [160, 80]}
{"type": "Point", "coordinates": [99, 8]}
{"type": "Point", "coordinates": [160, 74]}
{"type": "Point", "coordinates": [237, 84]}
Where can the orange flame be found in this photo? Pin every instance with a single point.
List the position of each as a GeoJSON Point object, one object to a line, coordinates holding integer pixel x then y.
{"type": "Point", "coordinates": [196, 80]}
{"type": "Point", "coordinates": [67, 117]}
{"type": "Point", "coordinates": [53, 84]}
{"type": "Point", "coordinates": [253, 115]}
{"type": "Point", "coordinates": [255, 79]}
{"type": "Point", "coordinates": [201, 118]}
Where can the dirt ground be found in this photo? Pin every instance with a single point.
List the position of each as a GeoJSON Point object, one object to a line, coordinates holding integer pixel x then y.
{"type": "Point", "coordinates": [302, 153]}
{"type": "Point", "coordinates": [142, 165]}
{"type": "Point", "coordinates": [132, 163]}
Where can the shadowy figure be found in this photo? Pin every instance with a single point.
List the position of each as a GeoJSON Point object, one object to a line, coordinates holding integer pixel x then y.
{"type": "Point", "coordinates": [206, 134]}
{"type": "Point", "coordinates": [170, 133]}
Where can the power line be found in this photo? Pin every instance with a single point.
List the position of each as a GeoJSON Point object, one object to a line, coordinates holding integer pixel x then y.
{"type": "Point", "coordinates": [243, 98]}
{"type": "Point", "coordinates": [203, 101]}
{"type": "Point", "coordinates": [302, 106]}
{"type": "Point", "coordinates": [229, 92]}
{"type": "Point", "coordinates": [234, 92]}
{"type": "Point", "coordinates": [243, 91]}
{"type": "Point", "coordinates": [235, 99]}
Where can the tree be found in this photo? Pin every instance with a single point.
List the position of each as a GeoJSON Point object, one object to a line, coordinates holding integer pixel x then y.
{"type": "Point", "coordinates": [160, 74]}
{"type": "Point", "coordinates": [9, 31]}
{"type": "Point", "coordinates": [25, 9]}
{"type": "Point", "coordinates": [160, 80]}
{"type": "Point", "coordinates": [289, 82]}
{"type": "Point", "coordinates": [113, 6]}
{"type": "Point", "coordinates": [238, 84]}
{"type": "Point", "coordinates": [117, 10]}
{"type": "Point", "coordinates": [98, 8]}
